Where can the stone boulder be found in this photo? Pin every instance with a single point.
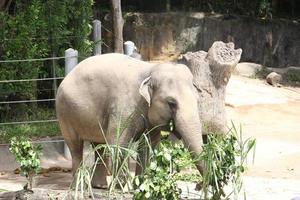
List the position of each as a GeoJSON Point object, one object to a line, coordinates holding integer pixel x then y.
{"type": "Point", "coordinates": [274, 79]}
{"type": "Point", "coordinates": [247, 69]}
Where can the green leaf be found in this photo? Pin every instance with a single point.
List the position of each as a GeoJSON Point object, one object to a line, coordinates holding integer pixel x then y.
{"type": "Point", "coordinates": [168, 156]}
{"type": "Point", "coordinates": [142, 187]}
{"type": "Point", "coordinates": [147, 195]}
{"type": "Point", "coordinates": [153, 165]}
{"type": "Point", "coordinates": [137, 181]}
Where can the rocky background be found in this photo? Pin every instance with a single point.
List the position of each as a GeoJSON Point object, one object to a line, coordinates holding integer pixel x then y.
{"type": "Point", "coordinates": [273, 43]}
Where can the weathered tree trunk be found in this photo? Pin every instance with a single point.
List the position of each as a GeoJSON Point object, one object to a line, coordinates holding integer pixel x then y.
{"type": "Point", "coordinates": [212, 71]}
{"type": "Point", "coordinates": [117, 25]}
{"type": "Point", "coordinates": [4, 4]}
{"type": "Point", "coordinates": [168, 5]}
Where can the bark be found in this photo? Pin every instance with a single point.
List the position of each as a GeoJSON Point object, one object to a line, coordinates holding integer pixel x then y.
{"type": "Point", "coordinates": [2, 4]}
{"type": "Point", "coordinates": [212, 71]}
{"type": "Point", "coordinates": [118, 23]}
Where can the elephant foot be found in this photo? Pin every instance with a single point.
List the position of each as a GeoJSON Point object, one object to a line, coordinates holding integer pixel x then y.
{"type": "Point", "coordinates": [99, 182]}
{"type": "Point", "coordinates": [100, 186]}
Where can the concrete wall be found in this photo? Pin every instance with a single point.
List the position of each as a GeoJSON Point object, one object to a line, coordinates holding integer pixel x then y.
{"type": "Point", "coordinates": [274, 43]}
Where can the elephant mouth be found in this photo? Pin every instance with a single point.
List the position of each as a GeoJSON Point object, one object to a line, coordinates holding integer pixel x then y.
{"type": "Point", "coordinates": [170, 128]}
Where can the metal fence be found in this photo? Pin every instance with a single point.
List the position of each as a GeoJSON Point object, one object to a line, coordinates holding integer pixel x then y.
{"type": "Point", "coordinates": [71, 60]}
{"type": "Point", "coordinates": [31, 80]}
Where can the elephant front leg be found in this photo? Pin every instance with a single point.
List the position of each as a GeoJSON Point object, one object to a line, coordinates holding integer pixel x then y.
{"type": "Point", "coordinates": [143, 152]}
{"type": "Point", "coordinates": [99, 179]}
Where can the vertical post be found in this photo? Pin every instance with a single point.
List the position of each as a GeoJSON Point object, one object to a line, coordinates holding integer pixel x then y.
{"type": "Point", "coordinates": [54, 75]}
{"type": "Point", "coordinates": [129, 47]}
{"type": "Point", "coordinates": [168, 5]}
{"type": "Point", "coordinates": [71, 60]}
{"type": "Point", "coordinates": [97, 36]}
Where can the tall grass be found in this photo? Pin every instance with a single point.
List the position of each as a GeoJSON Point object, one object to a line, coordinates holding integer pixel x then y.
{"type": "Point", "coordinates": [30, 130]}
{"type": "Point", "coordinates": [224, 157]}
{"type": "Point", "coordinates": [118, 167]}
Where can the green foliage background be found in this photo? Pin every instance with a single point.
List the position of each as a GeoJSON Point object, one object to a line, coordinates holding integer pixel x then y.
{"type": "Point", "coordinates": [38, 29]}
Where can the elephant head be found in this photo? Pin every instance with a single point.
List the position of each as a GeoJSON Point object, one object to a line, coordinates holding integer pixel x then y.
{"type": "Point", "coordinates": [170, 94]}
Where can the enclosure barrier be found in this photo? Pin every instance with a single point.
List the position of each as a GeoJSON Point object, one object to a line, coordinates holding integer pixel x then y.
{"type": "Point", "coordinates": [71, 60]}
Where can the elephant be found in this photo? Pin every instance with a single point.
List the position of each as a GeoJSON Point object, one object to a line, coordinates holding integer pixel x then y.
{"type": "Point", "coordinates": [102, 88]}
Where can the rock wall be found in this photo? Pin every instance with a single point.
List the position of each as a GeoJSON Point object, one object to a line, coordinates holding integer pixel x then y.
{"type": "Point", "coordinates": [274, 43]}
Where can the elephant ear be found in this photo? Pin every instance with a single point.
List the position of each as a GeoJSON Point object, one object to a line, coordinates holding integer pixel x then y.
{"type": "Point", "coordinates": [145, 89]}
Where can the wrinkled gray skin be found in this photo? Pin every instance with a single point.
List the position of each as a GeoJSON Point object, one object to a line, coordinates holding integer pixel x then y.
{"type": "Point", "coordinates": [102, 88]}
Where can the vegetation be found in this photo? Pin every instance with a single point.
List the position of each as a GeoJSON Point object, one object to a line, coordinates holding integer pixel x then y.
{"type": "Point", "coordinates": [82, 181]}
{"type": "Point", "coordinates": [256, 8]}
{"type": "Point", "coordinates": [292, 77]}
{"type": "Point", "coordinates": [28, 156]}
{"type": "Point", "coordinates": [224, 157]}
{"type": "Point", "coordinates": [121, 178]}
{"type": "Point", "coordinates": [158, 180]}
{"type": "Point", "coordinates": [38, 29]}
{"type": "Point", "coordinates": [34, 130]}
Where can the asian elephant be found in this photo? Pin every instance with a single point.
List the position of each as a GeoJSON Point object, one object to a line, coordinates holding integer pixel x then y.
{"type": "Point", "coordinates": [102, 88]}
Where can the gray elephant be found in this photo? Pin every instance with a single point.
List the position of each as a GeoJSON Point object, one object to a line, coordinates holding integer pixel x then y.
{"type": "Point", "coordinates": [102, 88]}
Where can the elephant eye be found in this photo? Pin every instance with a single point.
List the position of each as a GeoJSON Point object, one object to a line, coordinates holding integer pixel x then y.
{"type": "Point", "coordinates": [172, 104]}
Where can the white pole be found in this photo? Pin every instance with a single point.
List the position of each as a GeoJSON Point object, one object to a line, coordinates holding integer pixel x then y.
{"type": "Point", "coordinates": [71, 59]}
{"type": "Point", "coordinates": [129, 48]}
{"type": "Point", "coordinates": [97, 36]}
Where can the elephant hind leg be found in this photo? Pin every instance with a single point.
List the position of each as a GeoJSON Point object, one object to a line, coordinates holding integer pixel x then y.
{"type": "Point", "coordinates": [76, 149]}
{"type": "Point", "coordinates": [75, 144]}
{"type": "Point", "coordinates": [101, 171]}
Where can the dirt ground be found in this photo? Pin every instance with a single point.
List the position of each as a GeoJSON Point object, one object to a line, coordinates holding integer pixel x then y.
{"type": "Point", "coordinates": [271, 115]}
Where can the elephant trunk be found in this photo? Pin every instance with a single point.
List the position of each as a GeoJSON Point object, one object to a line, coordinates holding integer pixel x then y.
{"type": "Point", "coordinates": [188, 125]}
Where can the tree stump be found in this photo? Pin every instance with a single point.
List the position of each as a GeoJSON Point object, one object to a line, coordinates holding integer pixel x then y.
{"type": "Point", "coordinates": [212, 71]}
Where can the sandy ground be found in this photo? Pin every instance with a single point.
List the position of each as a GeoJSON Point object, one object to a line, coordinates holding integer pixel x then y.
{"type": "Point", "coordinates": [271, 115]}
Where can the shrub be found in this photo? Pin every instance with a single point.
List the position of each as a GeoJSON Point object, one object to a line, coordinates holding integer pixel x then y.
{"type": "Point", "coordinates": [159, 179]}
{"type": "Point", "coordinates": [28, 156]}
{"type": "Point", "coordinates": [224, 158]}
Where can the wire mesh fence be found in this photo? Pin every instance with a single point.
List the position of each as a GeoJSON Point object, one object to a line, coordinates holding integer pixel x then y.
{"type": "Point", "coordinates": [10, 125]}
{"type": "Point", "coordinates": [35, 119]}
{"type": "Point", "coordinates": [32, 103]}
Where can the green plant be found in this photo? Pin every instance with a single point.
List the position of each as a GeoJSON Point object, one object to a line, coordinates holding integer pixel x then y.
{"type": "Point", "coordinates": [28, 156]}
{"type": "Point", "coordinates": [262, 73]}
{"type": "Point", "coordinates": [118, 168]}
{"type": "Point", "coordinates": [3, 190]}
{"type": "Point", "coordinates": [158, 180]}
{"type": "Point", "coordinates": [292, 77]}
{"type": "Point", "coordinates": [33, 130]}
{"type": "Point", "coordinates": [38, 29]}
{"type": "Point", "coordinates": [265, 9]}
{"type": "Point", "coordinates": [225, 158]}
{"type": "Point", "coordinates": [83, 180]}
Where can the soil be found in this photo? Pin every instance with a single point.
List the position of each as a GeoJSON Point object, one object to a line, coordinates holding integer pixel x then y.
{"type": "Point", "coordinates": [272, 116]}
{"type": "Point", "coordinates": [269, 114]}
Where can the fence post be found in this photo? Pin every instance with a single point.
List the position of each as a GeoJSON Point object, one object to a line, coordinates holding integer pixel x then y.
{"type": "Point", "coordinates": [97, 36]}
{"type": "Point", "coordinates": [129, 47]}
{"type": "Point", "coordinates": [71, 60]}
